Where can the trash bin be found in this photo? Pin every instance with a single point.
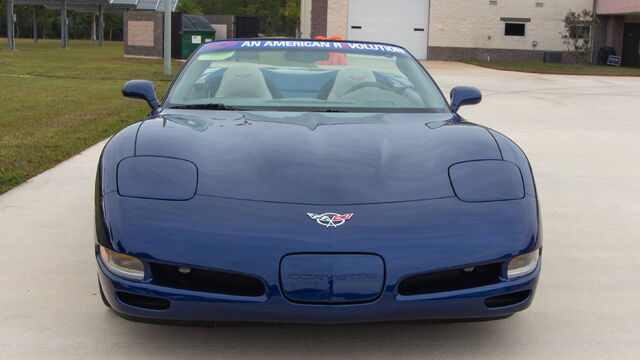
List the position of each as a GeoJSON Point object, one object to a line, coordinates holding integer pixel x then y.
{"type": "Point", "coordinates": [604, 53]}
{"type": "Point", "coordinates": [553, 57]}
{"type": "Point", "coordinates": [187, 33]}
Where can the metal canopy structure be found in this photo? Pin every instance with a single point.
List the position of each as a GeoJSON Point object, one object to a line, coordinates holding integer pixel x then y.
{"type": "Point", "coordinates": [85, 6]}
{"type": "Point", "coordinates": [112, 6]}
{"type": "Point", "coordinates": [157, 5]}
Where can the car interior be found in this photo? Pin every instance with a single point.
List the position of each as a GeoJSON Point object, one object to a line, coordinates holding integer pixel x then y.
{"type": "Point", "coordinates": [244, 83]}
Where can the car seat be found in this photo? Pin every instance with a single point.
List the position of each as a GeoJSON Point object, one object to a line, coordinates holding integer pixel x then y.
{"type": "Point", "coordinates": [349, 77]}
{"type": "Point", "coordinates": [243, 81]}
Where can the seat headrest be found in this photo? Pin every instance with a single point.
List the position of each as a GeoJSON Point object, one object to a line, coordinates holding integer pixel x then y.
{"type": "Point", "coordinates": [243, 81]}
{"type": "Point", "coordinates": [350, 77]}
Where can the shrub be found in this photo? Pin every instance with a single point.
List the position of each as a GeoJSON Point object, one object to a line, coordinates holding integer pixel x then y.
{"type": "Point", "coordinates": [577, 35]}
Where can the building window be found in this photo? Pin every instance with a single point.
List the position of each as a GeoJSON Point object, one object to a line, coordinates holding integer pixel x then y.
{"type": "Point", "coordinates": [514, 29]}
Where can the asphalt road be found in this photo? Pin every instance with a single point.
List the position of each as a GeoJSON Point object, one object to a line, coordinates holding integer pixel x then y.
{"type": "Point", "coordinates": [581, 134]}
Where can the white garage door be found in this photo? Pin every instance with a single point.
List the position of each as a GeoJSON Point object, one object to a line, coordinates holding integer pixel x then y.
{"type": "Point", "coordinates": [402, 22]}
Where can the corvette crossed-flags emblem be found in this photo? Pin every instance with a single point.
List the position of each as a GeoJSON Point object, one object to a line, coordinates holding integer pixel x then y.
{"type": "Point", "coordinates": [330, 219]}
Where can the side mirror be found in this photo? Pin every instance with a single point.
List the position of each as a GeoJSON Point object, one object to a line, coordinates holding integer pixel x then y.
{"type": "Point", "coordinates": [464, 95]}
{"type": "Point", "coordinates": [142, 90]}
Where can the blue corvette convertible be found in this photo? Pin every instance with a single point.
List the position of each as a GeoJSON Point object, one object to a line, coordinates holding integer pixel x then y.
{"type": "Point", "coordinates": [312, 181]}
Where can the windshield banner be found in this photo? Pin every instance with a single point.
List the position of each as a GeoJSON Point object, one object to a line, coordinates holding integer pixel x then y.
{"type": "Point", "coordinates": [300, 44]}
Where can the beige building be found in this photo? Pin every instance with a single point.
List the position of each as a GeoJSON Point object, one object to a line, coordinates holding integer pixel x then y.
{"type": "Point", "coordinates": [448, 29]}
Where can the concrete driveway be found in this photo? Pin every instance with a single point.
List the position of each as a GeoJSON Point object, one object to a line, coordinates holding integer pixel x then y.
{"type": "Point", "coordinates": [581, 134]}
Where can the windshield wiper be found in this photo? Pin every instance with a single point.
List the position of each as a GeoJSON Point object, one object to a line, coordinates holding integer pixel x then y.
{"type": "Point", "coordinates": [216, 106]}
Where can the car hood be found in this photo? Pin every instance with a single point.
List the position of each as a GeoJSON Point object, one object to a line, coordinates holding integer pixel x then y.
{"type": "Point", "coordinates": [317, 158]}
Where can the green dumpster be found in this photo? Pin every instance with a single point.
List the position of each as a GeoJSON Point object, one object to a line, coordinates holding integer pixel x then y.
{"type": "Point", "coordinates": [188, 32]}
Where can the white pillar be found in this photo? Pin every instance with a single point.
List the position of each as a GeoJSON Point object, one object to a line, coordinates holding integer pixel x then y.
{"type": "Point", "coordinates": [167, 37]}
{"type": "Point", "coordinates": [305, 19]}
{"type": "Point", "coordinates": [93, 26]}
{"type": "Point", "coordinates": [64, 34]}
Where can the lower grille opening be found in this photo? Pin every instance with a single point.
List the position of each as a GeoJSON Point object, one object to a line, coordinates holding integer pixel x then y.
{"type": "Point", "coordinates": [141, 301]}
{"type": "Point", "coordinates": [508, 299]}
{"type": "Point", "coordinates": [449, 280]}
{"type": "Point", "coordinates": [218, 282]}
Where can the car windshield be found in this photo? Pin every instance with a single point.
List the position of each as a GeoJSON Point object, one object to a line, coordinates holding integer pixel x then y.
{"type": "Point", "coordinates": [304, 75]}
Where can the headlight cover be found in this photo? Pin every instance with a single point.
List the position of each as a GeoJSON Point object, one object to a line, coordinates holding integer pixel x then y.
{"type": "Point", "coordinates": [122, 265]}
{"type": "Point", "coordinates": [486, 180]}
{"type": "Point", "coordinates": [155, 177]}
{"type": "Point", "coordinates": [523, 265]}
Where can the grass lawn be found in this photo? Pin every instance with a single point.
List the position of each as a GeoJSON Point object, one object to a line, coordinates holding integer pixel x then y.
{"type": "Point", "coordinates": [564, 69]}
{"type": "Point", "coordinates": [74, 104]}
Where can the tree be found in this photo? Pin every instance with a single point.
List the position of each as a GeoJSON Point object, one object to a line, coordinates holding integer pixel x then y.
{"type": "Point", "coordinates": [577, 34]}
{"type": "Point", "coordinates": [291, 14]}
{"type": "Point", "coordinates": [278, 17]}
{"type": "Point", "coordinates": [113, 27]}
{"type": "Point", "coordinates": [189, 7]}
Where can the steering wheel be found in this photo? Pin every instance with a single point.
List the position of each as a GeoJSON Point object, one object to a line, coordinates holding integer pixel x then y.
{"type": "Point", "coordinates": [381, 86]}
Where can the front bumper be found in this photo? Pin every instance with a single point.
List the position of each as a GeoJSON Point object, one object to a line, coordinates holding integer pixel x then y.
{"type": "Point", "coordinates": [187, 305]}
{"type": "Point", "coordinates": [252, 238]}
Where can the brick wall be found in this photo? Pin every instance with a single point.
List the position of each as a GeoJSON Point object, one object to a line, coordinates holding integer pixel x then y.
{"type": "Point", "coordinates": [156, 50]}
{"type": "Point", "coordinates": [318, 18]}
{"type": "Point", "coordinates": [609, 32]}
{"type": "Point", "coordinates": [477, 24]}
{"type": "Point", "coordinates": [485, 54]}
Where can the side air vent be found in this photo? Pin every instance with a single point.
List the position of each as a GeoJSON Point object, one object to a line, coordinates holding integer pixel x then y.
{"type": "Point", "coordinates": [210, 281]}
{"type": "Point", "coordinates": [144, 302]}
{"type": "Point", "coordinates": [449, 280]}
{"type": "Point", "coordinates": [508, 299]}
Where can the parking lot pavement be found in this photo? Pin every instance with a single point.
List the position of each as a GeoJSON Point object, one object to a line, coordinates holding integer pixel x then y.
{"type": "Point", "coordinates": [581, 134]}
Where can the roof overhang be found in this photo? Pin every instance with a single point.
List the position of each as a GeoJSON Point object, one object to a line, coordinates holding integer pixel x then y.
{"type": "Point", "coordinates": [618, 7]}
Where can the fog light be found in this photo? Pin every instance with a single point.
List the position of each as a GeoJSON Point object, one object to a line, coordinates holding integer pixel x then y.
{"type": "Point", "coordinates": [184, 270]}
{"type": "Point", "coordinates": [468, 270]}
{"type": "Point", "coordinates": [122, 265]}
{"type": "Point", "coordinates": [523, 264]}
